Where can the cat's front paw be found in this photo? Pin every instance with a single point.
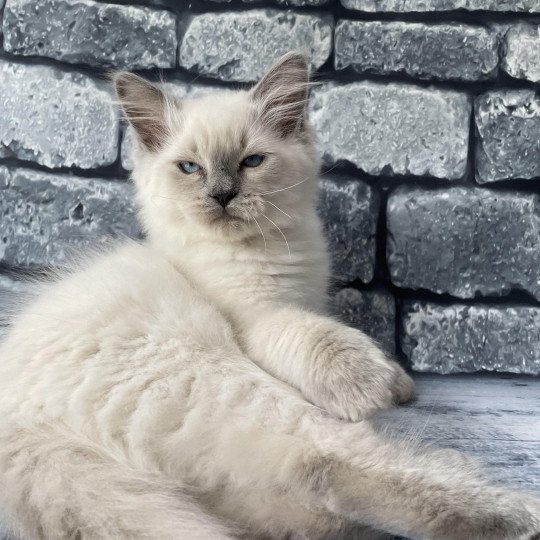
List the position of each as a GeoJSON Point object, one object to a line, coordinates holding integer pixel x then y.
{"type": "Point", "coordinates": [354, 378]}
{"type": "Point", "coordinates": [503, 516]}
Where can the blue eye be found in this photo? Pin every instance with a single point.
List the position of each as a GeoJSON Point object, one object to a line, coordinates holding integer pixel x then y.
{"type": "Point", "coordinates": [253, 161]}
{"type": "Point", "coordinates": [189, 167]}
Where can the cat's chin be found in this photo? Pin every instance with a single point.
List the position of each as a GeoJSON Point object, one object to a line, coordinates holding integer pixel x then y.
{"type": "Point", "coordinates": [227, 221]}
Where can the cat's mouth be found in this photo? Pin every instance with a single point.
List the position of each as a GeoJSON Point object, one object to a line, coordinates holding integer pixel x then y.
{"type": "Point", "coordinates": [241, 211]}
{"type": "Point", "coordinates": [226, 215]}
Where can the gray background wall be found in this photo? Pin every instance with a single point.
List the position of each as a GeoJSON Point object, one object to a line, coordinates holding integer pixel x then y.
{"type": "Point", "coordinates": [429, 122]}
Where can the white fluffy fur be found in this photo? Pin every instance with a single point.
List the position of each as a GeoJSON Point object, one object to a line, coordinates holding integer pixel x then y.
{"type": "Point", "coordinates": [192, 387]}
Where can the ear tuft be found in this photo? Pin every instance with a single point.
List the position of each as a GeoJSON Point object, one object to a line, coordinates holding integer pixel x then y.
{"type": "Point", "coordinates": [144, 106]}
{"type": "Point", "coordinates": [283, 93]}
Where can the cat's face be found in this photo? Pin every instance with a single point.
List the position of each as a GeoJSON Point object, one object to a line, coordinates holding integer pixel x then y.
{"type": "Point", "coordinates": [229, 162]}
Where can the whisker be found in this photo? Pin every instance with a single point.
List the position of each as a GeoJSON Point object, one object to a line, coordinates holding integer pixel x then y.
{"type": "Point", "coordinates": [260, 229]}
{"type": "Point", "coordinates": [281, 232]}
{"type": "Point", "coordinates": [278, 208]}
{"type": "Point", "coordinates": [162, 197]}
{"type": "Point", "coordinates": [284, 189]}
{"type": "Point", "coordinates": [330, 169]}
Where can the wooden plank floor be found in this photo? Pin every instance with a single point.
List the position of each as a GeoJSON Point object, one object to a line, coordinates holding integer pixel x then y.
{"type": "Point", "coordinates": [495, 418]}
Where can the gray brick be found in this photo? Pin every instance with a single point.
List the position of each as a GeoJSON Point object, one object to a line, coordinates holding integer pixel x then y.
{"type": "Point", "coordinates": [48, 218]}
{"type": "Point", "coordinates": [373, 312]}
{"type": "Point", "coordinates": [349, 210]}
{"type": "Point", "coordinates": [10, 292]}
{"type": "Point", "coordinates": [402, 6]}
{"type": "Point", "coordinates": [426, 51]}
{"type": "Point", "coordinates": [459, 338]}
{"type": "Point", "coordinates": [521, 52]}
{"type": "Point", "coordinates": [465, 242]}
{"type": "Point", "coordinates": [292, 3]}
{"type": "Point", "coordinates": [393, 128]}
{"type": "Point", "coordinates": [87, 32]}
{"type": "Point", "coordinates": [295, 3]}
{"type": "Point", "coordinates": [55, 118]}
{"type": "Point", "coordinates": [128, 142]}
{"type": "Point", "coordinates": [508, 141]}
{"type": "Point", "coordinates": [241, 46]}
{"type": "Point", "coordinates": [8, 285]}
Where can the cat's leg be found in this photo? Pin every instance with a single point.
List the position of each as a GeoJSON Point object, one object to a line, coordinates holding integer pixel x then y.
{"type": "Point", "coordinates": [264, 456]}
{"type": "Point", "coordinates": [334, 366]}
{"type": "Point", "coordinates": [427, 495]}
{"type": "Point", "coordinates": [417, 494]}
{"type": "Point", "coordinates": [56, 485]}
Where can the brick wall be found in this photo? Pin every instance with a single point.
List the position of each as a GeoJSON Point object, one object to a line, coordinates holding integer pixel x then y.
{"type": "Point", "coordinates": [429, 123]}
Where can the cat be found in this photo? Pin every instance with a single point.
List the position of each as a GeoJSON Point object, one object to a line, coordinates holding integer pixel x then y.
{"type": "Point", "coordinates": [192, 386]}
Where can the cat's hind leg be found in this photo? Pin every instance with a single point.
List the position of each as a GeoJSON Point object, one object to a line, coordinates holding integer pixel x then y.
{"type": "Point", "coordinates": [261, 437]}
{"type": "Point", "coordinates": [428, 495]}
{"type": "Point", "coordinates": [57, 486]}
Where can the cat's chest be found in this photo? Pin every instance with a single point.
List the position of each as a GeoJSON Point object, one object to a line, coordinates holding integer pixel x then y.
{"type": "Point", "coordinates": [249, 280]}
{"type": "Point", "coordinates": [236, 274]}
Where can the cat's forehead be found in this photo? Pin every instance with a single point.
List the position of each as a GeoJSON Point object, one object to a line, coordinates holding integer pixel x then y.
{"type": "Point", "coordinates": [219, 111]}
{"type": "Point", "coordinates": [219, 123]}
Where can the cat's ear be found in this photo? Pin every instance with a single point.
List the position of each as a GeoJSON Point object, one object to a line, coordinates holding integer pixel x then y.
{"type": "Point", "coordinates": [282, 93]}
{"type": "Point", "coordinates": [145, 107]}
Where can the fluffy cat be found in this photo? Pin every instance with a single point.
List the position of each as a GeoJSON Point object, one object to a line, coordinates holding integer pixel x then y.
{"type": "Point", "coordinates": [192, 387]}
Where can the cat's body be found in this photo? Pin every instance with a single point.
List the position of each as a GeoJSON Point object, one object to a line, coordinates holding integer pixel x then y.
{"type": "Point", "coordinates": [192, 388]}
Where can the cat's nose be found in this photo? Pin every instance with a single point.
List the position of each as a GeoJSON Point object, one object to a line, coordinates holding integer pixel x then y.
{"type": "Point", "coordinates": [224, 197]}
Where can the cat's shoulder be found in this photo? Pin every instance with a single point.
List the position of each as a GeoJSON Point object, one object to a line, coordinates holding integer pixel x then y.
{"type": "Point", "coordinates": [103, 272]}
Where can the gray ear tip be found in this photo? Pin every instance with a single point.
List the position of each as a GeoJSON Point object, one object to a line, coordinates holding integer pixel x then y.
{"type": "Point", "coordinates": [122, 76]}
{"type": "Point", "coordinates": [126, 83]}
{"type": "Point", "coordinates": [121, 80]}
{"type": "Point", "coordinates": [299, 58]}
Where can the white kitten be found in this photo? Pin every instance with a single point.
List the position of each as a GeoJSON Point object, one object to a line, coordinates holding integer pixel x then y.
{"type": "Point", "coordinates": [192, 388]}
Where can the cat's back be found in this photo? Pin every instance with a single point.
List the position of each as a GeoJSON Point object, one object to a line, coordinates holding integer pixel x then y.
{"type": "Point", "coordinates": [105, 321]}
{"type": "Point", "coordinates": [88, 300]}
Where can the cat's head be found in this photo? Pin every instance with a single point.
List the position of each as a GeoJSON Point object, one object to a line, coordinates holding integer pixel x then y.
{"type": "Point", "coordinates": [232, 162]}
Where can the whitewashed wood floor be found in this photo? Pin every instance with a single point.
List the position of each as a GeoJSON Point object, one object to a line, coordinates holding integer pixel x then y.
{"type": "Point", "coordinates": [495, 418]}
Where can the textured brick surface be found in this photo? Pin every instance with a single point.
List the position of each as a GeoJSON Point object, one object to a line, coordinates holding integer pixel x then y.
{"type": "Point", "coordinates": [523, 6]}
{"type": "Point", "coordinates": [458, 338]}
{"type": "Point", "coordinates": [46, 218]}
{"type": "Point", "coordinates": [373, 312]}
{"type": "Point", "coordinates": [55, 118]}
{"type": "Point", "coordinates": [240, 46]}
{"type": "Point", "coordinates": [465, 242]}
{"type": "Point", "coordinates": [297, 3]}
{"type": "Point", "coordinates": [394, 128]}
{"type": "Point", "coordinates": [9, 285]}
{"type": "Point", "coordinates": [349, 209]}
{"type": "Point", "coordinates": [10, 291]}
{"type": "Point", "coordinates": [83, 31]}
{"type": "Point", "coordinates": [438, 51]}
{"type": "Point", "coordinates": [508, 142]}
{"type": "Point", "coordinates": [521, 52]}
